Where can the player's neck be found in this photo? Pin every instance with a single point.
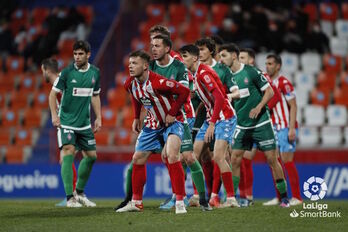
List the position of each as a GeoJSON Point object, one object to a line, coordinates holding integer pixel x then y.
{"type": "Point", "coordinates": [236, 66]}
{"type": "Point", "coordinates": [274, 76]}
{"type": "Point", "coordinates": [164, 61]}
{"type": "Point", "coordinates": [143, 77]}
{"type": "Point", "coordinates": [209, 61]}
{"type": "Point", "coordinates": [194, 68]}
{"type": "Point", "coordinates": [52, 77]}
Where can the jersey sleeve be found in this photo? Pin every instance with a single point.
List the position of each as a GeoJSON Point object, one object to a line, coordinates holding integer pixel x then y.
{"type": "Point", "coordinates": [287, 89]}
{"type": "Point", "coordinates": [182, 76]}
{"type": "Point", "coordinates": [59, 84]}
{"type": "Point", "coordinates": [259, 79]}
{"type": "Point", "coordinates": [208, 81]}
{"type": "Point", "coordinates": [96, 89]}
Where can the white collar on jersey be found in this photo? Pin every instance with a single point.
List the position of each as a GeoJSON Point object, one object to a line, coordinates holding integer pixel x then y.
{"type": "Point", "coordinates": [241, 68]}
{"type": "Point", "coordinates": [83, 70]}
{"type": "Point", "coordinates": [171, 59]}
{"type": "Point", "coordinates": [213, 64]}
{"type": "Point", "coordinates": [199, 63]}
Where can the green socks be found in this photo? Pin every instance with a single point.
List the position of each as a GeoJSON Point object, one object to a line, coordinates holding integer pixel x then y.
{"type": "Point", "coordinates": [67, 174]}
{"type": "Point", "coordinates": [84, 171]}
{"type": "Point", "coordinates": [129, 191]}
{"type": "Point", "coordinates": [281, 186]}
{"type": "Point", "coordinates": [198, 178]}
{"type": "Point", "coordinates": [236, 180]}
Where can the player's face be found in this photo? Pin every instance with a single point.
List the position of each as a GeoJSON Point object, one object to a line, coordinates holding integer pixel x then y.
{"type": "Point", "coordinates": [81, 57]}
{"type": "Point", "coordinates": [226, 58]}
{"type": "Point", "coordinates": [272, 67]}
{"type": "Point", "coordinates": [188, 59]}
{"type": "Point", "coordinates": [244, 57]}
{"type": "Point", "coordinates": [45, 74]}
{"type": "Point", "coordinates": [158, 49]}
{"type": "Point", "coordinates": [136, 66]}
{"type": "Point", "coordinates": [204, 53]}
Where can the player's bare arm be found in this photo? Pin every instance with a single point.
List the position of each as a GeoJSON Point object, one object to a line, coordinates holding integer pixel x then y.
{"type": "Point", "coordinates": [293, 112]}
{"type": "Point", "coordinates": [234, 94]}
{"type": "Point", "coordinates": [97, 110]}
{"type": "Point", "coordinates": [52, 99]}
{"type": "Point", "coordinates": [209, 134]}
{"type": "Point", "coordinates": [268, 94]}
{"type": "Point", "coordinates": [136, 126]}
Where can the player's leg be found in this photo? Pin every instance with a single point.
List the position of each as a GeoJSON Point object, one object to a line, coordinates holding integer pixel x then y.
{"type": "Point", "coordinates": [63, 202]}
{"type": "Point", "coordinates": [128, 189]}
{"type": "Point", "coordinates": [287, 150]}
{"type": "Point", "coordinates": [246, 183]}
{"type": "Point", "coordinates": [148, 141]}
{"type": "Point", "coordinates": [66, 140]}
{"type": "Point", "coordinates": [265, 138]}
{"type": "Point", "coordinates": [223, 135]}
{"type": "Point", "coordinates": [173, 136]}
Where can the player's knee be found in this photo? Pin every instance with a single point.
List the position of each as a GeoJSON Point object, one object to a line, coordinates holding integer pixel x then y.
{"type": "Point", "coordinates": [189, 158]}
{"type": "Point", "coordinates": [68, 149]}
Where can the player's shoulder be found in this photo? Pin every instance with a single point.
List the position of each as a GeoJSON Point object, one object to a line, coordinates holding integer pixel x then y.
{"type": "Point", "coordinates": [283, 79]}
{"type": "Point", "coordinates": [94, 68]}
{"type": "Point", "coordinates": [128, 82]}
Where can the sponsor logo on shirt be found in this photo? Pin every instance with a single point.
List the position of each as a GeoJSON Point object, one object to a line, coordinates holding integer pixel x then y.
{"type": "Point", "coordinates": [207, 78]}
{"type": "Point", "coordinates": [146, 102]}
{"type": "Point", "coordinates": [246, 81]}
{"type": "Point", "coordinates": [170, 84]}
{"type": "Point", "coordinates": [82, 92]}
{"type": "Point", "coordinates": [244, 93]}
{"type": "Point", "coordinates": [266, 142]}
{"type": "Point", "coordinates": [91, 142]}
{"type": "Point", "coordinates": [73, 81]}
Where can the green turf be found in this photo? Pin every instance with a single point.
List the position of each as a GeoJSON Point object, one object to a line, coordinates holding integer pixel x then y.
{"type": "Point", "coordinates": [41, 215]}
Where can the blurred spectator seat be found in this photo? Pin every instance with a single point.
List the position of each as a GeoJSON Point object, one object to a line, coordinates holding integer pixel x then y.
{"type": "Point", "coordinates": [64, 61]}
{"type": "Point", "coordinates": [177, 13]}
{"type": "Point", "coordinates": [120, 78]}
{"type": "Point", "coordinates": [191, 31]}
{"type": "Point", "coordinates": [127, 116]}
{"type": "Point", "coordinates": [326, 80]}
{"type": "Point", "coordinates": [32, 117]}
{"type": "Point", "coordinates": [109, 117]}
{"type": "Point", "coordinates": [210, 29]}
{"type": "Point", "coordinates": [345, 132]}
{"type": "Point", "coordinates": [138, 44]}
{"type": "Point", "coordinates": [15, 64]}
{"type": "Point", "coordinates": [344, 80]}
{"type": "Point", "coordinates": [342, 28]}
{"type": "Point", "coordinates": [299, 115]}
{"type": "Point", "coordinates": [310, 62]}
{"type": "Point", "coordinates": [219, 12]}
{"type": "Point", "coordinates": [2, 100]}
{"type": "Point", "coordinates": [174, 31]}
{"type": "Point", "coordinates": [328, 11]}
{"type": "Point", "coordinates": [320, 97]}
{"type": "Point", "coordinates": [66, 47]}
{"type": "Point", "coordinates": [302, 97]}
{"type": "Point", "coordinates": [155, 13]}
{"type": "Point", "coordinates": [314, 115]}
{"type": "Point", "coordinates": [7, 83]}
{"type": "Point", "coordinates": [15, 154]}
{"type": "Point", "coordinates": [198, 13]}
{"type": "Point", "coordinates": [87, 12]}
{"type": "Point", "coordinates": [23, 137]}
{"type": "Point", "coordinates": [27, 83]}
{"type": "Point", "coordinates": [344, 8]}
{"type": "Point", "coordinates": [332, 63]}
{"type": "Point", "coordinates": [19, 18]}
{"type": "Point", "coordinates": [331, 136]}
{"type": "Point", "coordinates": [304, 81]}
{"type": "Point", "coordinates": [308, 136]}
{"type": "Point", "coordinates": [40, 100]}
{"type": "Point", "coordinates": [102, 137]}
{"type": "Point", "coordinates": [144, 28]}
{"type": "Point", "coordinates": [6, 137]}
{"type": "Point", "coordinates": [19, 100]}
{"type": "Point", "coordinates": [336, 115]}
{"type": "Point", "coordinates": [39, 14]}
{"type": "Point", "coordinates": [339, 46]}
{"type": "Point", "coordinates": [9, 118]}
{"type": "Point", "coordinates": [123, 136]}
{"type": "Point", "coordinates": [290, 62]}
{"type": "Point", "coordinates": [116, 97]}
{"type": "Point", "coordinates": [327, 27]}
{"type": "Point", "coordinates": [312, 11]}
{"type": "Point", "coordinates": [341, 96]}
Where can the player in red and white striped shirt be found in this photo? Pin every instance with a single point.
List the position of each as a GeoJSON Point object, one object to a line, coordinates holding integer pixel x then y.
{"type": "Point", "coordinates": [284, 121]}
{"type": "Point", "coordinates": [220, 116]}
{"type": "Point", "coordinates": [163, 123]}
{"type": "Point", "coordinates": [49, 68]}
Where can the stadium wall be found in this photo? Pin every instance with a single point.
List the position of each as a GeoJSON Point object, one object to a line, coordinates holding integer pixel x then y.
{"type": "Point", "coordinates": [107, 180]}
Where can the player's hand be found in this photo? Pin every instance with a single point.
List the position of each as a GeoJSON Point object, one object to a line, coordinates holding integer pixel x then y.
{"type": "Point", "coordinates": [55, 121]}
{"type": "Point", "coordinates": [254, 112]}
{"type": "Point", "coordinates": [136, 126]}
{"type": "Point", "coordinates": [209, 134]}
{"type": "Point", "coordinates": [192, 94]}
{"type": "Point", "coordinates": [97, 125]}
{"type": "Point", "coordinates": [169, 120]}
{"type": "Point", "coordinates": [292, 134]}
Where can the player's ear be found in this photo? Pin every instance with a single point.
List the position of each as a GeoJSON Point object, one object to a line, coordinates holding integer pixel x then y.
{"type": "Point", "coordinates": [146, 66]}
{"type": "Point", "coordinates": [88, 55]}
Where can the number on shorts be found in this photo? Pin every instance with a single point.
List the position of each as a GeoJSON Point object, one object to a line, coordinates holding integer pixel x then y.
{"type": "Point", "coordinates": [236, 132]}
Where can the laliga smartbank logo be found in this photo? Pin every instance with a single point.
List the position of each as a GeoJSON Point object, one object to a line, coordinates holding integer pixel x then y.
{"type": "Point", "coordinates": [314, 189]}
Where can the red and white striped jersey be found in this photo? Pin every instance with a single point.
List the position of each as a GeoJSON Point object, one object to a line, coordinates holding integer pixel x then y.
{"type": "Point", "coordinates": [189, 109]}
{"type": "Point", "coordinates": [156, 94]}
{"type": "Point", "coordinates": [281, 112]}
{"type": "Point", "coordinates": [206, 80]}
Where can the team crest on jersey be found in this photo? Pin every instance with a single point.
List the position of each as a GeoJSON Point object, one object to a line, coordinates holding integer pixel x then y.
{"type": "Point", "coordinates": [93, 80]}
{"type": "Point", "coordinates": [207, 78]}
{"type": "Point", "coordinates": [171, 77]}
{"type": "Point", "coordinates": [287, 88]}
{"type": "Point", "coordinates": [69, 136]}
{"type": "Point", "coordinates": [149, 88]}
{"type": "Point", "coordinates": [170, 84]}
{"type": "Point", "coordinates": [246, 81]}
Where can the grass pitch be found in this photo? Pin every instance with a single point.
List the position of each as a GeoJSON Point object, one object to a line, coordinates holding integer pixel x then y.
{"type": "Point", "coordinates": [42, 215]}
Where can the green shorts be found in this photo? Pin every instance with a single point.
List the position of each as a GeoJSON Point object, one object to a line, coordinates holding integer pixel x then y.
{"type": "Point", "coordinates": [81, 139]}
{"type": "Point", "coordinates": [186, 143]}
{"type": "Point", "coordinates": [262, 136]}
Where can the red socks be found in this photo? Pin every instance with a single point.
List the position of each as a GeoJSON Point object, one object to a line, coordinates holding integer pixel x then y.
{"type": "Point", "coordinates": [74, 176]}
{"type": "Point", "coordinates": [178, 180]}
{"type": "Point", "coordinates": [208, 168]}
{"type": "Point", "coordinates": [138, 181]}
{"type": "Point", "coordinates": [242, 180]}
{"type": "Point", "coordinates": [293, 179]}
{"type": "Point", "coordinates": [228, 183]}
{"type": "Point", "coordinates": [216, 178]}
